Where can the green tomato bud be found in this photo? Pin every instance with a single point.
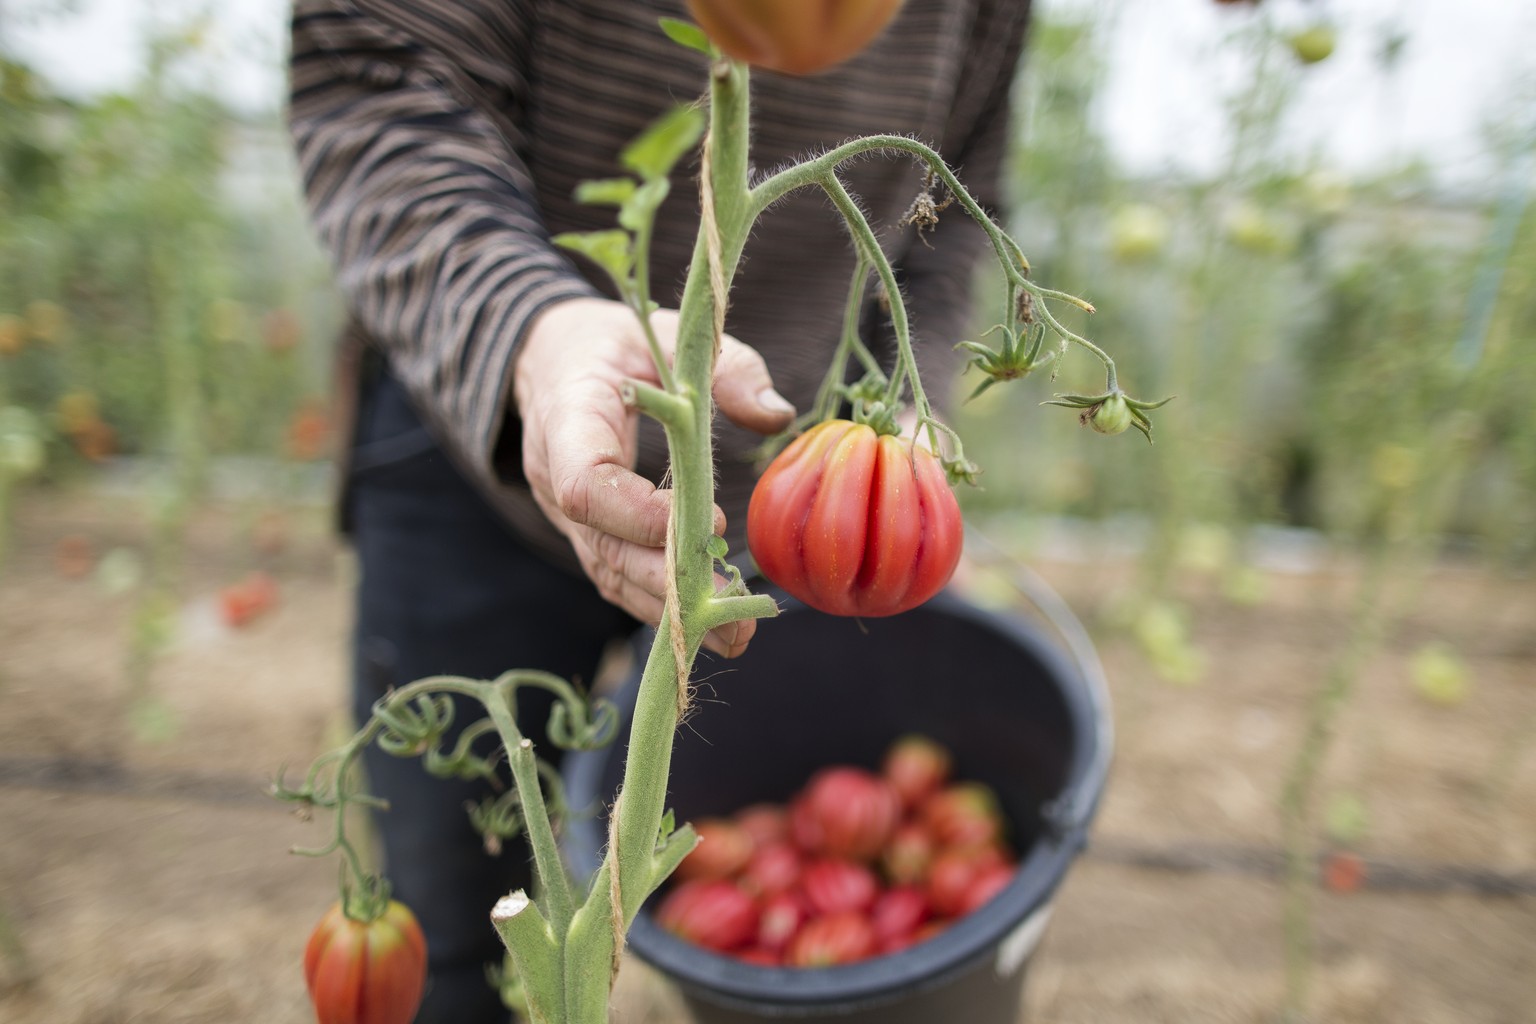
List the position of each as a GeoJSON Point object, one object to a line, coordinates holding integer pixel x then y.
{"type": "Point", "coordinates": [1111, 416]}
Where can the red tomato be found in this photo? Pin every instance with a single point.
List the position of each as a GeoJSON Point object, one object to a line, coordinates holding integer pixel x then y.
{"type": "Point", "coordinates": [760, 956]}
{"type": "Point", "coordinates": [1343, 871]}
{"type": "Point", "coordinates": [724, 849]}
{"type": "Point", "coordinates": [907, 856]}
{"type": "Point", "coordinates": [965, 814]}
{"type": "Point", "coordinates": [797, 37]}
{"type": "Point", "coordinates": [713, 914]}
{"type": "Point", "coordinates": [832, 886]}
{"type": "Point", "coordinates": [773, 868]}
{"type": "Point", "coordinates": [835, 939]}
{"type": "Point", "coordinates": [897, 913]}
{"type": "Point", "coordinates": [765, 823]}
{"type": "Point", "coordinates": [989, 881]}
{"type": "Point", "coordinates": [916, 767]}
{"type": "Point", "coordinates": [845, 812]}
{"type": "Point", "coordinates": [239, 603]}
{"type": "Point", "coordinates": [369, 972]}
{"type": "Point", "coordinates": [854, 523]}
{"type": "Point", "coordinates": [952, 875]}
{"type": "Point", "coordinates": [783, 915]}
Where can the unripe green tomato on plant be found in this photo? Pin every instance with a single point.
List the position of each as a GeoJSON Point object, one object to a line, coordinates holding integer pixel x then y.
{"type": "Point", "coordinates": [366, 972]}
{"type": "Point", "coordinates": [797, 37]}
{"type": "Point", "coordinates": [1111, 416]}
{"type": "Point", "coordinates": [855, 523]}
{"type": "Point", "coordinates": [1314, 44]}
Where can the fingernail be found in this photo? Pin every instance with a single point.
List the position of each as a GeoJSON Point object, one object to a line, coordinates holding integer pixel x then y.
{"type": "Point", "coordinates": [772, 401]}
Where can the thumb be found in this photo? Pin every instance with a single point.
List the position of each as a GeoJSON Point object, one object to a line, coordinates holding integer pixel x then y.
{"type": "Point", "coordinates": [744, 390]}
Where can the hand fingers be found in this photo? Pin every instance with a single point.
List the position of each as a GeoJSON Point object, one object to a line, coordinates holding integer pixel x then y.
{"type": "Point", "coordinates": [635, 578]}
{"type": "Point", "coordinates": [586, 468]}
{"type": "Point", "coordinates": [729, 640]}
{"type": "Point", "coordinates": [625, 574]}
{"type": "Point", "coordinates": [744, 390]}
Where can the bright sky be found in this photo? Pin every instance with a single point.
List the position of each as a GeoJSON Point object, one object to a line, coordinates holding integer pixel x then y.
{"type": "Point", "coordinates": [1463, 62]}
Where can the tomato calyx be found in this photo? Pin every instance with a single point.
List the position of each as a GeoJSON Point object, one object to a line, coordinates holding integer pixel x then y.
{"type": "Point", "coordinates": [1018, 356]}
{"type": "Point", "coordinates": [365, 901]}
{"type": "Point", "coordinates": [1112, 412]}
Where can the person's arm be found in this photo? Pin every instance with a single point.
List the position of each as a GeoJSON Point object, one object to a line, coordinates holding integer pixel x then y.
{"type": "Point", "coordinates": [405, 117]}
{"type": "Point", "coordinates": [937, 277]}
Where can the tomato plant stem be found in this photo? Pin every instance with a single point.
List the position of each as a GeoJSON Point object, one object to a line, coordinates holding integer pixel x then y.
{"type": "Point", "coordinates": [634, 866]}
{"type": "Point", "coordinates": [555, 886]}
{"type": "Point", "coordinates": [869, 248]}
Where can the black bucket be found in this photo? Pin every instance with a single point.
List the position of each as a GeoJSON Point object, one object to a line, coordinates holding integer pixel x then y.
{"type": "Point", "coordinates": [1023, 711]}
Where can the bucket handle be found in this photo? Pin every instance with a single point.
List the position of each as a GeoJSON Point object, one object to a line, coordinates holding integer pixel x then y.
{"type": "Point", "coordinates": [1067, 815]}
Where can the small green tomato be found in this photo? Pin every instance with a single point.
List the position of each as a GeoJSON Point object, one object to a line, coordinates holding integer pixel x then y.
{"type": "Point", "coordinates": [1314, 44]}
{"type": "Point", "coordinates": [1111, 416]}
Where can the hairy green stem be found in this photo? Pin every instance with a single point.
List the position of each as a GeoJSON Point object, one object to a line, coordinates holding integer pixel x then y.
{"type": "Point", "coordinates": [869, 247]}
{"type": "Point", "coordinates": [556, 886]}
{"type": "Point", "coordinates": [631, 860]}
{"type": "Point", "coordinates": [642, 303]}
{"type": "Point", "coordinates": [1009, 256]}
{"type": "Point", "coordinates": [535, 950]}
{"type": "Point", "coordinates": [847, 343]}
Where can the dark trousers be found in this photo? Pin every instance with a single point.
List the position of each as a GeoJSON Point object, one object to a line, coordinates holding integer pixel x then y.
{"type": "Point", "coordinates": [447, 588]}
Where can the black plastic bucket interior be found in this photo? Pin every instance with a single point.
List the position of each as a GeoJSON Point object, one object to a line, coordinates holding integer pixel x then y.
{"type": "Point", "coordinates": [814, 690]}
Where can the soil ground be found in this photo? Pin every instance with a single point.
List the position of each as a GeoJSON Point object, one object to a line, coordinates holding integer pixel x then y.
{"type": "Point", "coordinates": [148, 881]}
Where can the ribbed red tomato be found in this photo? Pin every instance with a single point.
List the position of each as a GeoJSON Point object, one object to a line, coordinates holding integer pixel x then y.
{"type": "Point", "coordinates": [366, 972]}
{"type": "Point", "coordinates": [845, 812]}
{"type": "Point", "coordinates": [714, 914]}
{"type": "Point", "coordinates": [798, 37]}
{"type": "Point", "coordinates": [839, 938]}
{"type": "Point", "coordinates": [855, 523]}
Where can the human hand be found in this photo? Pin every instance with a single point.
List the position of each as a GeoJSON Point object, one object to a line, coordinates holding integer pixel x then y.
{"type": "Point", "coordinates": [579, 444]}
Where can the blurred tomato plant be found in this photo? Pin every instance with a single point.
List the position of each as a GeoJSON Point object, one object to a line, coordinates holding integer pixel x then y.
{"type": "Point", "coordinates": [153, 290]}
{"type": "Point", "coordinates": [155, 295]}
{"type": "Point", "coordinates": [1352, 357]}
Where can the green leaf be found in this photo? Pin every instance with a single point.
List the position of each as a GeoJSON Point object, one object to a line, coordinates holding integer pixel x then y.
{"type": "Point", "coordinates": [668, 826]}
{"type": "Point", "coordinates": [686, 33]}
{"type": "Point", "coordinates": [612, 250]}
{"type": "Point", "coordinates": [664, 143]}
{"type": "Point", "coordinates": [718, 548]}
{"type": "Point", "coordinates": [605, 191]}
{"type": "Point", "coordinates": [639, 209]}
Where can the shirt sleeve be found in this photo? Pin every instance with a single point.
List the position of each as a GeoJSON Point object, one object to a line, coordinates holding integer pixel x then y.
{"type": "Point", "coordinates": [936, 277]}
{"type": "Point", "coordinates": [404, 119]}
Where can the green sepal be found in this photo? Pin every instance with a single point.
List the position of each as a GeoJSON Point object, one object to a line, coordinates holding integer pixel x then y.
{"type": "Point", "coordinates": [664, 143]}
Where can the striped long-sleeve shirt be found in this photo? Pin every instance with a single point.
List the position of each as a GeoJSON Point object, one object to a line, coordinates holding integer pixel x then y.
{"type": "Point", "coordinates": [440, 142]}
